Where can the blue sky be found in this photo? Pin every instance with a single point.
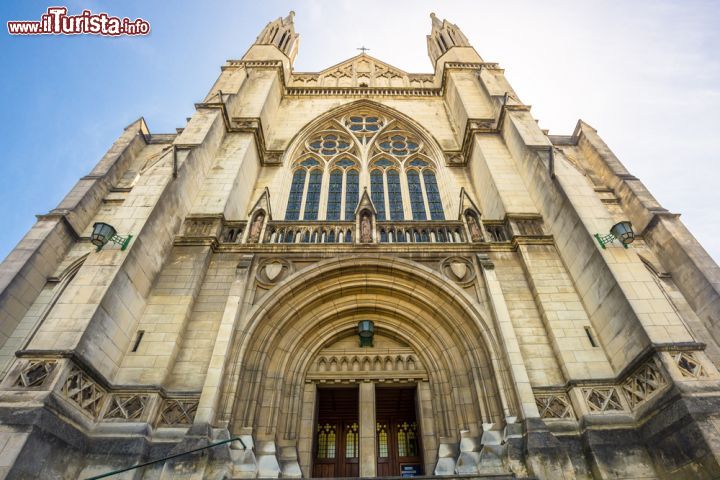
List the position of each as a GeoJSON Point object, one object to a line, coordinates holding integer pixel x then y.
{"type": "Point", "coordinates": [645, 74]}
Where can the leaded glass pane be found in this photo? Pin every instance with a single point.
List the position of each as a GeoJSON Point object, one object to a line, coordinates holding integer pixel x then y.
{"type": "Point", "coordinates": [345, 163]}
{"type": "Point", "coordinates": [352, 441]}
{"type": "Point", "coordinates": [326, 441]}
{"type": "Point", "coordinates": [310, 162]}
{"type": "Point", "coordinates": [416, 197]}
{"type": "Point", "coordinates": [312, 201]}
{"type": "Point", "coordinates": [377, 191]}
{"type": "Point", "coordinates": [295, 197]}
{"type": "Point", "coordinates": [407, 439]}
{"type": "Point", "coordinates": [418, 163]}
{"type": "Point", "coordinates": [334, 195]}
{"type": "Point", "coordinates": [352, 186]}
{"type": "Point", "coordinates": [364, 124]}
{"type": "Point", "coordinates": [382, 440]}
{"type": "Point", "coordinates": [383, 162]}
{"type": "Point", "coordinates": [329, 144]}
{"type": "Point", "coordinates": [433, 194]}
{"type": "Point", "coordinates": [394, 195]}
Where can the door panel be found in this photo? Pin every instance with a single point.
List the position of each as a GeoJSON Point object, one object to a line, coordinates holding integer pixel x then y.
{"type": "Point", "coordinates": [337, 439]}
{"type": "Point", "coordinates": [397, 435]}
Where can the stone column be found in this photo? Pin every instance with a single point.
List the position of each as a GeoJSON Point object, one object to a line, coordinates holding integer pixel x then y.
{"type": "Point", "coordinates": [368, 462]}
{"type": "Point", "coordinates": [508, 339]}
{"type": "Point", "coordinates": [212, 389]}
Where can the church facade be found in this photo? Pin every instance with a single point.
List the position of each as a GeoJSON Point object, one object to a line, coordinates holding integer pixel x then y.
{"type": "Point", "coordinates": [359, 272]}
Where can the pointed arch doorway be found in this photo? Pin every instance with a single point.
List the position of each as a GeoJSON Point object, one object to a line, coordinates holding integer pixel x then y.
{"type": "Point", "coordinates": [302, 338]}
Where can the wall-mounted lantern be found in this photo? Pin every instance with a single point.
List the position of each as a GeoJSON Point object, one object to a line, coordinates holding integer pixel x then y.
{"type": "Point", "coordinates": [621, 231]}
{"type": "Point", "coordinates": [103, 233]}
{"type": "Point", "coordinates": [366, 330]}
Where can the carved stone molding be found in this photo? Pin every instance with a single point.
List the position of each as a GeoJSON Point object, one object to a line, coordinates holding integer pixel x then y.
{"type": "Point", "coordinates": [689, 365]}
{"type": "Point", "coordinates": [127, 406]}
{"type": "Point", "coordinates": [643, 383]}
{"type": "Point", "coordinates": [35, 373]}
{"type": "Point", "coordinates": [201, 227]}
{"type": "Point", "coordinates": [554, 406]}
{"type": "Point", "coordinates": [634, 390]}
{"type": "Point", "coordinates": [80, 389]}
{"type": "Point", "coordinates": [270, 271]}
{"type": "Point", "coordinates": [458, 269]}
{"type": "Point", "coordinates": [177, 412]}
{"type": "Point", "coordinates": [602, 399]}
{"type": "Point", "coordinates": [353, 366]}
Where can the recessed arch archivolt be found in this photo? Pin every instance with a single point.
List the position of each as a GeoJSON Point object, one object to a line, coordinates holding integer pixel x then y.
{"type": "Point", "coordinates": [279, 338]}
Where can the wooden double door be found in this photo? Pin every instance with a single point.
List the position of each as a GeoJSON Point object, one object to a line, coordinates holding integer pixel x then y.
{"type": "Point", "coordinates": [337, 434]}
{"type": "Point", "coordinates": [336, 448]}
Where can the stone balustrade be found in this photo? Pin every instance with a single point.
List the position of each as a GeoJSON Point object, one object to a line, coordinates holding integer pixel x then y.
{"type": "Point", "coordinates": [421, 232]}
{"type": "Point", "coordinates": [310, 232]}
{"type": "Point", "coordinates": [388, 231]}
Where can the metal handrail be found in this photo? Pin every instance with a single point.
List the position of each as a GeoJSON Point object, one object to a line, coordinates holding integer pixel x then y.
{"type": "Point", "coordinates": [115, 472]}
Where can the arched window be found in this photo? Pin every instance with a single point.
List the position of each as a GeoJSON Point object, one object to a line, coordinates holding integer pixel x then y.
{"type": "Point", "coordinates": [417, 203]}
{"type": "Point", "coordinates": [312, 202]}
{"type": "Point", "coordinates": [352, 189]}
{"type": "Point", "coordinates": [400, 169]}
{"type": "Point", "coordinates": [296, 195]}
{"type": "Point", "coordinates": [335, 195]}
{"type": "Point", "coordinates": [377, 192]}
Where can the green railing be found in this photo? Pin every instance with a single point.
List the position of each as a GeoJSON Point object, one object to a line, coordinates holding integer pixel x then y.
{"type": "Point", "coordinates": [164, 459]}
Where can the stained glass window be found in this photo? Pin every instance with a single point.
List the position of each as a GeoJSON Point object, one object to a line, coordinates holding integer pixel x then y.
{"type": "Point", "coordinates": [383, 162]}
{"type": "Point", "coordinates": [407, 439]}
{"type": "Point", "coordinates": [399, 145]}
{"type": "Point", "coordinates": [433, 196]}
{"type": "Point", "coordinates": [352, 441]}
{"type": "Point", "coordinates": [352, 187]}
{"type": "Point", "coordinates": [326, 441]}
{"type": "Point", "coordinates": [310, 162]}
{"type": "Point", "coordinates": [417, 203]}
{"type": "Point", "coordinates": [334, 195]}
{"type": "Point", "coordinates": [382, 440]}
{"type": "Point", "coordinates": [345, 163]}
{"type": "Point", "coordinates": [364, 126]}
{"type": "Point", "coordinates": [394, 195]}
{"type": "Point", "coordinates": [418, 163]}
{"type": "Point", "coordinates": [312, 202]}
{"type": "Point", "coordinates": [377, 191]}
{"type": "Point", "coordinates": [329, 144]}
{"type": "Point", "coordinates": [296, 195]}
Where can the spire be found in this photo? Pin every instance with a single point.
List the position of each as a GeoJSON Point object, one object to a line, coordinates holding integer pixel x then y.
{"type": "Point", "coordinates": [281, 33]}
{"type": "Point", "coordinates": [444, 36]}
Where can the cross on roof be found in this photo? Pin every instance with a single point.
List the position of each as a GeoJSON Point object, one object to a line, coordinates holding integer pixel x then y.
{"type": "Point", "coordinates": [363, 49]}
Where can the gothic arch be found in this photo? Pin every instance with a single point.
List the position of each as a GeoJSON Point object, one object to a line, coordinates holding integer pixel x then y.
{"type": "Point", "coordinates": [446, 330]}
{"type": "Point", "coordinates": [332, 122]}
{"type": "Point", "coordinates": [317, 122]}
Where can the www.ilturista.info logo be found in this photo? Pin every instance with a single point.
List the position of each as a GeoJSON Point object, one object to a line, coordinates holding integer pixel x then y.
{"type": "Point", "coordinates": [57, 22]}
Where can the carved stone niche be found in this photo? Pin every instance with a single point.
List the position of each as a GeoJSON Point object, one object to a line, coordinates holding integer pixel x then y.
{"type": "Point", "coordinates": [202, 227]}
